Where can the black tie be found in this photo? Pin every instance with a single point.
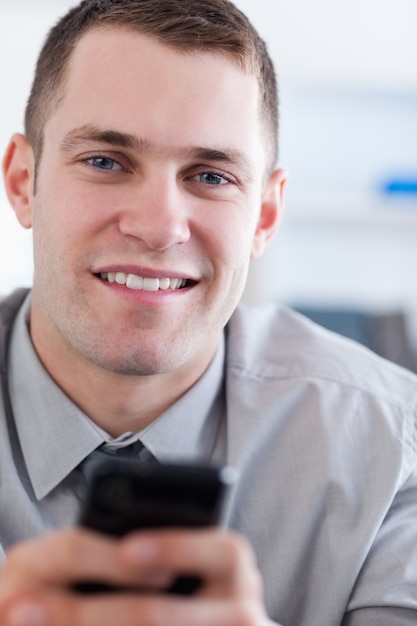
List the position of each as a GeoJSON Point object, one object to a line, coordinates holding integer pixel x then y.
{"type": "Point", "coordinates": [132, 451]}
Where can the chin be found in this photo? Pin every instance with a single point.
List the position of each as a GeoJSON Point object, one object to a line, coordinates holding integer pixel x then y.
{"type": "Point", "coordinates": [137, 364]}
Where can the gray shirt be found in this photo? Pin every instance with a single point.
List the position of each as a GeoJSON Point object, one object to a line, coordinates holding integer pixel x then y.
{"type": "Point", "coordinates": [322, 432]}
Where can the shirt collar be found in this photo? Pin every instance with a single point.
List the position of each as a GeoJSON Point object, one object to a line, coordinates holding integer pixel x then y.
{"type": "Point", "coordinates": [56, 436]}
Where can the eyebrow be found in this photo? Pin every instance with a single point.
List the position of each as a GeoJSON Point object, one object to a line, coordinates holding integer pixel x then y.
{"type": "Point", "coordinates": [119, 139]}
{"type": "Point", "coordinates": [91, 133]}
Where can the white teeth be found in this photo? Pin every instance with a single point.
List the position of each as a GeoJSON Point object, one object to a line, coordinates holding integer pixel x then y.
{"type": "Point", "coordinates": [121, 278]}
{"type": "Point", "coordinates": [150, 284]}
{"type": "Point", "coordinates": [132, 281]}
{"type": "Point", "coordinates": [164, 283]}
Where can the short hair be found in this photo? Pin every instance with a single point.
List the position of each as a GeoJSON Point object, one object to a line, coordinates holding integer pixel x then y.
{"type": "Point", "coordinates": [185, 25]}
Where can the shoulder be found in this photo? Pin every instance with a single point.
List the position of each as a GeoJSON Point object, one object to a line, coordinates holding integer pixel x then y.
{"type": "Point", "coordinates": [9, 306]}
{"type": "Point", "coordinates": [275, 343]}
{"type": "Point", "coordinates": [316, 401]}
{"type": "Point", "coordinates": [323, 432]}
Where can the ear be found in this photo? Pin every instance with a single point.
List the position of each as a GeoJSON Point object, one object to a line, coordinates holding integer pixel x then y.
{"type": "Point", "coordinates": [271, 210]}
{"type": "Point", "coordinates": [19, 175]}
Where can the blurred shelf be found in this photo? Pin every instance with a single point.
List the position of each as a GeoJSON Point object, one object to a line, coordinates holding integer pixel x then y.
{"type": "Point", "coordinates": [351, 209]}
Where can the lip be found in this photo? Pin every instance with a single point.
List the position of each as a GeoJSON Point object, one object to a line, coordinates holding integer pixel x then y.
{"type": "Point", "coordinates": [141, 297]}
{"type": "Point", "coordinates": [145, 272]}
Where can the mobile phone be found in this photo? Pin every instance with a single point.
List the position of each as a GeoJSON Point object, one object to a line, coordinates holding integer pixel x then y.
{"type": "Point", "coordinates": [124, 496]}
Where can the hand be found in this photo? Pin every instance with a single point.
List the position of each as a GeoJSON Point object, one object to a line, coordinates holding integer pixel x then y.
{"type": "Point", "coordinates": [35, 583]}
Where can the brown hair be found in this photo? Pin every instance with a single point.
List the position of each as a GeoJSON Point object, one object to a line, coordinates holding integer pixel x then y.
{"type": "Point", "coordinates": [182, 24]}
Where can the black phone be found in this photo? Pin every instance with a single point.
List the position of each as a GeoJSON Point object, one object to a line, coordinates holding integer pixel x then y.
{"type": "Point", "coordinates": [124, 496]}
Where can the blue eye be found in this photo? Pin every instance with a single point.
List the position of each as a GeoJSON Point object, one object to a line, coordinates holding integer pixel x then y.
{"type": "Point", "coordinates": [104, 163]}
{"type": "Point", "coordinates": [211, 178]}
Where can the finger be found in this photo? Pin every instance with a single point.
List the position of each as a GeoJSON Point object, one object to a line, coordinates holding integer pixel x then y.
{"type": "Point", "coordinates": [67, 610]}
{"type": "Point", "coordinates": [225, 561]}
{"type": "Point", "coordinates": [68, 557]}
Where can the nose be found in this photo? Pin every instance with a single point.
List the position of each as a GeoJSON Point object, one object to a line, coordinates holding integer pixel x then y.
{"type": "Point", "coordinates": [156, 213]}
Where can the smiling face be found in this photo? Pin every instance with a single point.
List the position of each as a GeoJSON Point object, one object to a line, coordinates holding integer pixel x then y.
{"type": "Point", "coordinates": [150, 202]}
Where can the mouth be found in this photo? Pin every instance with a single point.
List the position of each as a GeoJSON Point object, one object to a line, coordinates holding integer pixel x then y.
{"type": "Point", "coordinates": [141, 283]}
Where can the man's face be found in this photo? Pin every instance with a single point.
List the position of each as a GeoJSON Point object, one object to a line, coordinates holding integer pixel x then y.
{"type": "Point", "coordinates": [148, 199]}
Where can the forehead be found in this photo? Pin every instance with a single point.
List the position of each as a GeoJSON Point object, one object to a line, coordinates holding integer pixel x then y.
{"type": "Point", "coordinates": [122, 80]}
{"type": "Point", "coordinates": [127, 53]}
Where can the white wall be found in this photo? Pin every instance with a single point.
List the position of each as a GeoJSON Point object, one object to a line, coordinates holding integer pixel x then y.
{"type": "Point", "coordinates": [23, 25]}
{"type": "Point", "coordinates": [348, 74]}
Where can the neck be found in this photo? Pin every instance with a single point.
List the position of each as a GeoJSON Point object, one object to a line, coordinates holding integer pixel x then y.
{"type": "Point", "coordinates": [118, 403]}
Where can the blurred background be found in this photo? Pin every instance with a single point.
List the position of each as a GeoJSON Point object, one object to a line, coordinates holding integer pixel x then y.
{"type": "Point", "coordinates": [346, 252]}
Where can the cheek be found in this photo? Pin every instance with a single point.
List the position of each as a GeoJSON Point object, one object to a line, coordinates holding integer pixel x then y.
{"type": "Point", "coordinates": [67, 218]}
{"type": "Point", "coordinates": [229, 233]}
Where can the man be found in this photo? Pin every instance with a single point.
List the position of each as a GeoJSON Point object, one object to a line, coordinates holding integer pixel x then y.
{"type": "Point", "coordinates": [148, 176]}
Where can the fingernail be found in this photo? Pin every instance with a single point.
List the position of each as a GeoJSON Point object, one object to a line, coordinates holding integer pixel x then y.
{"type": "Point", "coordinates": [158, 579]}
{"type": "Point", "coordinates": [28, 614]}
{"type": "Point", "coordinates": [142, 550]}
